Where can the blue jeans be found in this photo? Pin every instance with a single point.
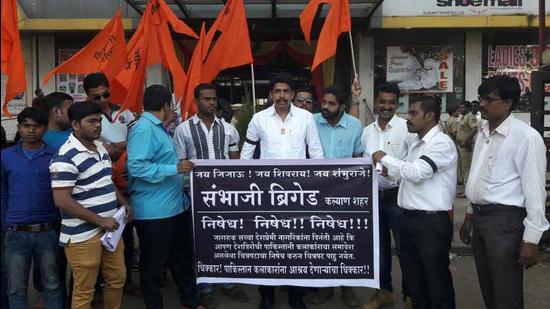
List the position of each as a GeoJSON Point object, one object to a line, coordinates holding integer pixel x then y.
{"type": "Point", "coordinates": [4, 284]}
{"type": "Point", "coordinates": [21, 248]}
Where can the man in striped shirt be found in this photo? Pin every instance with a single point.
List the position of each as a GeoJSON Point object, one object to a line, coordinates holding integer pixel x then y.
{"type": "Point", "coordinates": [507, 190]}
{"type": "Point", "coordinates": [205, 136]}
{"type": "Point", "coordinates": [83, 189]}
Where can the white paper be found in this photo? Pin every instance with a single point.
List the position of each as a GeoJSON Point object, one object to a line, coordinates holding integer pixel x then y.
{"type": "Point", "coordinates": [110, 239]}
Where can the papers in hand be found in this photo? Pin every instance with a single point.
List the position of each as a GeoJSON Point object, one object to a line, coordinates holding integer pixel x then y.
{"type": "Point", "coordinates": [110, 239]}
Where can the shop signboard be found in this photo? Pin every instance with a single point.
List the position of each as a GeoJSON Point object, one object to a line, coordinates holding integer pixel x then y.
{"type": "Point", "coordinates": [70, 83]}
{"type": "Point", "coordinates": [420, 69]}
{"type": "Point", "coordinates": [513, 60]}
{"type": "Point", "coordinates": [460, 7]}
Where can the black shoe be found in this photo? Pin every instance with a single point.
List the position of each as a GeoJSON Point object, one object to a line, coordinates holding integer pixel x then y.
{"type": "Point", "coordinates": [297, 304]}
{"type": "Point", "coordinates": [267, 303]}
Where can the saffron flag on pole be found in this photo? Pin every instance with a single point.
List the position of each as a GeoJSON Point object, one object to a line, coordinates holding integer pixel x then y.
{"type": "Point", "coordinates": [232, 48]}
{"type": "Point", "coordinates": [151, 44]}
{"type": "Point", "coordinates": [105, 53]}
{"type": "Point", "coordinates": [194, 76]}
{"type": "Point", "coordinates": [12, 55]}
{"type": "Point", "coordinates": [127, 86]}
{"type": "Point", "coordinates": [338, 20]}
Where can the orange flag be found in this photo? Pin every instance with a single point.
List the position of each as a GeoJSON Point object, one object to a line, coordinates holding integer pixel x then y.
{"type": "Point", "coordinates": [152, 35]}
{"type": "Point", "coordinates": [136, 67]}
{"type": "Point", "coordinates": [12, 54]}
{"type": "Point", "coordinates": [338, 20]}
{"type": "Point", "coordinates": [177, 25]}
{"type": "Point", "coordinates": [105, 53]}
{"type": "Point", "coordinates": [124, 78]}
{"type": "Point", "coordinates": [194, 76]}
{"type": "Point", "coordinates": [232, 48]}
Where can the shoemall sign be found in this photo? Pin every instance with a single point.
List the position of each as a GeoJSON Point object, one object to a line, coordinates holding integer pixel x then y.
{"type": "Point", "coordinates": [459, 7]}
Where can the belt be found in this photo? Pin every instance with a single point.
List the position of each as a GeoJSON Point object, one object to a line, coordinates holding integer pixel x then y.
{"type": "Point", "coordinates": [33, 228]}
{"type": "Point", "coordinates": [491, 208]}
{"type": "Point", "coordinates": [381, 193]}
{"type": "Point", "coordinates": [412, 213]}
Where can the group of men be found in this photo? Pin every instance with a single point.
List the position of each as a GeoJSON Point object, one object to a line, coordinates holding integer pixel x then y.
{"type": "Point", "coordinates": [69, 151]}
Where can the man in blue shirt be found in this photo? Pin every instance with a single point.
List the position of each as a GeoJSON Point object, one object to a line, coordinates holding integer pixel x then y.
{"type": "Point", "coordinates": [339, 132]}
{"type": "Point", "coordinates": [29, 216]}
{"type": "Point", "coordinates": [56, 105]}
{"type": "Point", "coordinates": [340, 135]}
{"type": "Point", "coordinates": [162, 218]}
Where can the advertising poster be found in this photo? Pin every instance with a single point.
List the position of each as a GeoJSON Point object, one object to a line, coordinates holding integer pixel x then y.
{"type": "Point", "coordinates": [71, 84]}
{"type": "Point", "coordinates": [420, 69]}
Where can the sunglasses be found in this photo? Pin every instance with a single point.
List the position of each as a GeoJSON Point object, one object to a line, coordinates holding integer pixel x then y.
{"type": "Point", "coordinates": [104, 95]}
{"type": "Point", "coordinates": [303, 100]}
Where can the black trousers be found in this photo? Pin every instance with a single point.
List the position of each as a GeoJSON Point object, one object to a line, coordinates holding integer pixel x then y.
{"type": "Point", "coordinates": [389, 221]}
{"type": "Point", "coordinates": [294, 292]}
{"type": "Point", "coordinates": [497, 237]}
{"type": "Point", "coordinates": [425, 243]}
{"type": "Point", "coordinates": [167, 242]}
{"type": "Point", "coordinates": [129, 249]}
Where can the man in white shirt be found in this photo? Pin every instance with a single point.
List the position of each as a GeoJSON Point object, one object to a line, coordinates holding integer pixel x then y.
{"type": "Point", "coordinates": [389, 134]}
{"type": "Point", "coordinates": [204, 136]}
{"type": "Point", "coordinates": [426, 194]}
{"type": "Point", "coordinates": [507, 190]}
{"type": "Point", "coordinates": [283, 131]}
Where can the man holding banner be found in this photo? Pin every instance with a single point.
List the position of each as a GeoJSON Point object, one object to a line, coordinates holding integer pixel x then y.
{"type": "Point", "coordinates": [426, 194]}
{"type": "Point", "coordinates": [204, 136]}
{"type": "Point", "coordinates": [340, 136]}
{"type": "Point", "coordinates": [283, 131]}
{"type": "Point", "coordinates": [389, 134]}
{"type": "Point", "coordinates": [163, 221]}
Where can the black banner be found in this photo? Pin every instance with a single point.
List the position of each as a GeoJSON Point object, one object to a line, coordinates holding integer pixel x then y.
{"type": "Point", "coordinates": [286, 222]}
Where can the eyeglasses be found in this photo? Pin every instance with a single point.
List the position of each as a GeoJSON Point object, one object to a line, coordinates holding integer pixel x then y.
{"type": "Point", "coordinates": [98, 97]}
{"type": "Point", "coordinates": [488, 99]}
{"type": "Point", "coordinates": [304, 100]}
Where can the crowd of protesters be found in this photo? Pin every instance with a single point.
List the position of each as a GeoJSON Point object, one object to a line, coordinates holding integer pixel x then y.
{"type": "Point", "coordinates": [76, 163]}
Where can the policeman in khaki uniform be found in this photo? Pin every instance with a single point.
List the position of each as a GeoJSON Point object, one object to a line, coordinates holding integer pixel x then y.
{"type": "Point", "coordinates": [467, 129]}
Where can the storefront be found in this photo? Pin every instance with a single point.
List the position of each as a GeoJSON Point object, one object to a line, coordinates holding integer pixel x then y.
{"type": "Point", "coordinates": [446, 47]}
{"type": "Point", "coordinates": [441, 47]}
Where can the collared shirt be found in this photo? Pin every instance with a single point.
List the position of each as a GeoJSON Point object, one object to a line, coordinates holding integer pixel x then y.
{"type": "Point", "coordinates": [428, 174]}
{"type": "Point", "coordinates": [342, 141]}
{"type": "Point", "coordinates": [117, 131]}
{"type": "Point", "coordinates": [195, 141]}
{"type": "Point", "coordinates": [89, 174]}
{"type": "Point", "coordinates": [26, 189]}
{"type": "Point", "coordinates": [56, 138]}
{"type": "Point", "coordinates": [508, 168]}
{"type": "Point", "coordinates": [392, 140]}
{"type": "Point", "coordinates": [280, 139]}
{"type": "Point", "coordinates": [155, 187]}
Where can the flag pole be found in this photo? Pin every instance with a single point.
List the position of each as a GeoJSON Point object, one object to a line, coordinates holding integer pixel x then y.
{"type": "Point", "coordinates": [352, 55]}
{"type": "Point", "coordinates": [253, 87]}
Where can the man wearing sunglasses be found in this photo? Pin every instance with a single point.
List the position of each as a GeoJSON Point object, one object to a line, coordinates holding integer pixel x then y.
{"type": "Point", "coordinates": [304, 99]}
{"type": "Point", "coordinates": [114, 133]}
